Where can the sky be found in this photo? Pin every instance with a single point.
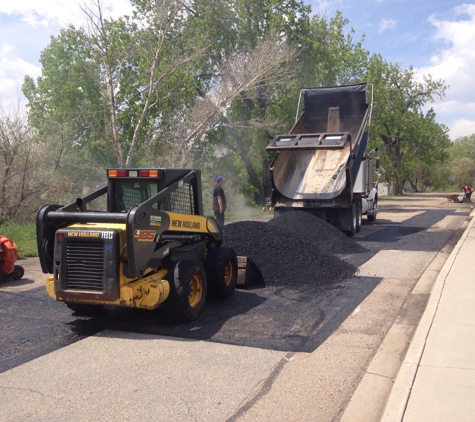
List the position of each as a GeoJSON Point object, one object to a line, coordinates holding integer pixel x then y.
{"type": "Point", "coordinates": [435, 37]}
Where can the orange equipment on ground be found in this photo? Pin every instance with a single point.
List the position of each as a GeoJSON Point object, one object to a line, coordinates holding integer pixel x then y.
{"type": "Point", "coordinates": [8, 257]}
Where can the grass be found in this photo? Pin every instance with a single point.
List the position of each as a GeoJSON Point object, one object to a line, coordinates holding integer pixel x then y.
{"type": "Point", "coordinates": [24, 236]}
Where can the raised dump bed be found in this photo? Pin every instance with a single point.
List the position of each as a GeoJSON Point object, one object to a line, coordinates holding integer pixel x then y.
{"type": "Point", "coordinates": [322, 166]}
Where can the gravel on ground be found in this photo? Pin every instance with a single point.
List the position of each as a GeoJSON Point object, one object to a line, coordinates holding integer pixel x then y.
{"type": "Point", "coordinates": [296, 250]}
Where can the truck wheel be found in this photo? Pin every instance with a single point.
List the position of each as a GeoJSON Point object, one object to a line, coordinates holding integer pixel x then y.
{"type": "Point", "coordinates": [188, 287]}
{"type": "Point", "coordinates": [371, 217]}
{"type": "Point", "coordinates": [353, 219]}
{"type": "Point", "coordinates": [277, 212]}
{"type": "Point", "coordinates": [221, 271]}
{"type": "Point", "coordinates": [359, 219]}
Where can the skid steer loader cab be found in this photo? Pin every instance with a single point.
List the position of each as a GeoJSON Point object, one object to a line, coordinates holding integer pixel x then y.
{"type": "Point", "coordinates": [133, 187]}
{"type": "Point", "coordinates": [147, 249]}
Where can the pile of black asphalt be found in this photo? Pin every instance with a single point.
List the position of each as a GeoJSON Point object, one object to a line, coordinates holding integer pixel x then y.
{"type": "Point", "coordinates": [295, 250]}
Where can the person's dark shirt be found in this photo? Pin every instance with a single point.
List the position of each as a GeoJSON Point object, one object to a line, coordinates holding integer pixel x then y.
{"type": "Point", "coordinates": [218, 191]}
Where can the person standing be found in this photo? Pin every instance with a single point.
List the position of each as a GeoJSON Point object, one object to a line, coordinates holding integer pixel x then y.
{"type": "Point", "coordinates": [466, 192]}
{"type": "Point", "coordinates": [219, 201]}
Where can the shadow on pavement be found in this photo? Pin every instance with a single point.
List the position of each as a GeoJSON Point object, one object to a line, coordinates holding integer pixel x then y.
{"type": "Point", "coordinates": [268, 318]}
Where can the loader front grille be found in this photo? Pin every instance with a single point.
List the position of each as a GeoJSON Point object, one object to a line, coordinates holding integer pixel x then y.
{"type": "Point", "coordinates": [84, 266]}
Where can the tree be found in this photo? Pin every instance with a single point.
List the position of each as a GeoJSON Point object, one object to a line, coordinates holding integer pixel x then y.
{"type": "Point", "coordinates": [270, 61]}
{"type": "Point", "coordinates": [242, 131]}
{"type": "Point", "coordinates": [121, 76]}
{"type": "Point", "coordinates": [462, 165]}
{"type": "Point", "coordinates": [24, 166]}
{"type": "Point", "coordinates": [464, 146]}
{"type": "Point", "coordinates": [463, 172]}
{"type": "Point", "coordinates": [326, 56]}
{"type": "Point", "coordinates": [177, 76]}
{"type": "Point", "coordinates": [331, 56]}
{"type": "Point", "coordinates": [428, 152]}
{"type": "Point", "coordinates": [410, 139]}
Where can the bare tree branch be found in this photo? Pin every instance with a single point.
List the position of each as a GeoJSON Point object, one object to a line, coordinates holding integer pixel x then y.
{"type": "Point", "coordinates": [270, 63]}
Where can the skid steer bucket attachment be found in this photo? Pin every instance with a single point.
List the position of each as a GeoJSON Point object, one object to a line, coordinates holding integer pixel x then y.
{"type": "Point", "coordinates": [249, 273]}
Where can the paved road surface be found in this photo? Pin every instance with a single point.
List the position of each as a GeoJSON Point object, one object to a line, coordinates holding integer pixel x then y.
{"type": "Point", "coordinates": [268, 354]}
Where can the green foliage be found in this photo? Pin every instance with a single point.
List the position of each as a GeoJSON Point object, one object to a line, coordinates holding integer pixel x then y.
{"type": "Point", "coordinates": [122, 93]}
{"type": "Point", "coordinates": [327, 56]}
{"type": "Point", "coordinates": [67, 109]}
{"type": "Point", "coordinates": [330, 55]}
{"type": "Point", "coordinates": [462, 160]}
{"type": "Point", "coordinates": [463, 172]}
{"type": "Point", "coordinates": [24, 236]}
{"type": "Point", "coordinates": [463, 146]}
{"type": "Point", "coordinates": [411, 142]}
{"type": "Point", "coordinates": [113, 88]}
{"type": "Point", "coordinates": [23, 174]}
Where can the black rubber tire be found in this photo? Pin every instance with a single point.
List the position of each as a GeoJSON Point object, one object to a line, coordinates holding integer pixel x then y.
{"type": "Point", "coordinates": [222, 271]}
{"type": "Point", "coordinates": [278, 212]}
{"type": "Point", "coordinates": [359, 217]}
{"type": "Point", "coordinates": [371, 217]}
{"type": "Point", "coordinates": [188, 290]}
{"type": "Point", "coordinates": [17, 273]}
{"type": "Point", "coordinates": [353, 219]}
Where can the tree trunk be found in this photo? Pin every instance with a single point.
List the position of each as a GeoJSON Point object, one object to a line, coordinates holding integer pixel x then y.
{"type": "Point", "coordinates": [399, 187]}
{"type": "Point", "coordinates": [413, 186]}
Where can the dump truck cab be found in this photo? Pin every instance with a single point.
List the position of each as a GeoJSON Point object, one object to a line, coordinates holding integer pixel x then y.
{"type": "Point", "coordinates": [146, 245]}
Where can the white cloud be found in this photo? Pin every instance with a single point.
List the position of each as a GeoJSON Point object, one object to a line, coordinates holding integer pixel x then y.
{"type": "Point", "coordinates": [6, 49]}
{"type": "Point", "coordinates": [45, 12]}
{"type": "Point", "coordinates": [12, 71]}
{"type": "Point", "coordinates": [457, 115]}
{"type": "Point", "coordinates": [454, 106]}
{"type": "Point", "coordinates": [385, 24]}
{"type": "Point", "coordinates": [455, 64]}
{"type": "Point", "coordinates": [462, 127]}
{"type": "Point", "coordinates": [40, 16]}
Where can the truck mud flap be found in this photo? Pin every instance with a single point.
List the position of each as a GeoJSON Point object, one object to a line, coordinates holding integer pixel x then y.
{"type": "Point", "coordinates": [249, 273]}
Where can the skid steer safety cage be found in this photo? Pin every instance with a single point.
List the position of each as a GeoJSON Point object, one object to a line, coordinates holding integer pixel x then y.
{"type": "Point", "coordinates": [182, 200]}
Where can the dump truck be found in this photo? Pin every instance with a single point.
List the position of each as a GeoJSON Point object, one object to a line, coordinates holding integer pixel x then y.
{"type": "Point", "coordinates": [322, 166]}
{"type": "Point", "coordinates": [140, 241]}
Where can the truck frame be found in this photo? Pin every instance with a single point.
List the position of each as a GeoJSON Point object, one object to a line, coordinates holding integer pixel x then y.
{"type": "Point", "coordinates": [322, 166]}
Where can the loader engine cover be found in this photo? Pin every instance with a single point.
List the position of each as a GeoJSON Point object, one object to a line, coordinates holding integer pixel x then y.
{"type": "Point", "coordinates": [86, 264]}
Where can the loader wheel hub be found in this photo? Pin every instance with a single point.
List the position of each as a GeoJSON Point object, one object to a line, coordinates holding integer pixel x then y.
{"type": "Point", "coordinates": [196, 290]}
{"type": "Point", "coordinates": [228, 273]}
